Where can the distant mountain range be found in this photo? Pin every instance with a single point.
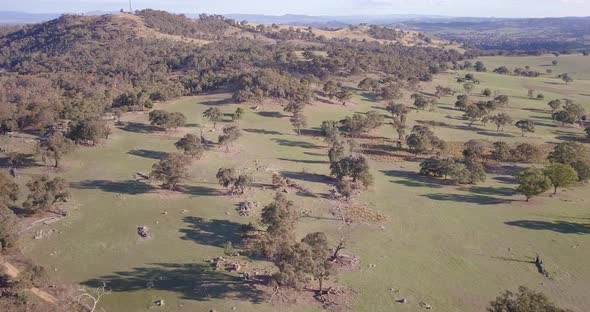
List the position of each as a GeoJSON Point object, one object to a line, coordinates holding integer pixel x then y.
{"type": "Point", "coordinates": [331, 21]}
{"type": "Point", "coordinates": [10, 17]}
{"type": "Point", "coordinates": [523, 34]}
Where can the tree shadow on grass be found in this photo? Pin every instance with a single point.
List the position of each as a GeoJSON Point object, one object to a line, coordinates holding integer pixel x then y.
{"type": "Point", "coordinates": [312, 132]}
{"type": "Point", "coordinates": [563, 227]}
{"type": "Point", "coordinates": [537, 110]}
{"type": "Point", "coordinates": [271, 114]}
{"type": "Point", "coordinates": [470, 199]}
{"type": "Point", "coordinates": [291, 143]}
{"type": "Point", "coordinates": [495, 134]}
{"type": "Point", "coordinates": [554, 83]}
{"type": "Point", "coordinates": [315, 154]}
{"type": "Point", "coordinates": [569, 136]}
{"type": "Point", "coordinates": [503, 169]}
{"type": "Point", "coordinates": [542, 117]}
{"type": "Point", "coordinates": [148, 154]}
{"type": "Point", "coordinates": [137, 127]}
{"type": "Point", "coordinates": [219, 102]}
{"type": "Point", "coordinates": [305, 161]}
{"type": "Point", "coordinates": [211, 232]}
{"type": "Point", "coordinates": [413, 179]}
{"type": "Point", "coordinates": [506, 179]}
{"type": "Point", "coordinates": [263, 131]}
{"type": "Point", "coordinates": [307, 176]}
{"type": "Point", "coordinates": [197, 190]}
{"type": "Point", "coordinates": [28, 160]}
{"type": "Point", "coordinates": [514, 260]}
{"type": "Point", "coordinates": [192, 281]}
{"type": "Point", "coordinates": [130, 187]}
{"type": "Point", "coordinates": [498, 191]}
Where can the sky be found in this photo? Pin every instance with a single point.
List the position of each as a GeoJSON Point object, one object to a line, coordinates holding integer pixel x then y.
{"type": "Point", "coordinates": [475, 8]}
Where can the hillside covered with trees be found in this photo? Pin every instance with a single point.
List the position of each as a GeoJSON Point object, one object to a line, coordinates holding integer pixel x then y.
{"type": "Point", "coordinates": [90, 65]}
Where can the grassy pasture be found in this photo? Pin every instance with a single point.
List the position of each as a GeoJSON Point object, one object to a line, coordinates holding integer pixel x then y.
{"type": "Point", "coordinates": [577, 65]}
{"type": "Point", "coordinates": [453, 247]}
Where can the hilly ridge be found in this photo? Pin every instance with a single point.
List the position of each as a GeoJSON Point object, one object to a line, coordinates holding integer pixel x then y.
{"type": "Point", "coordinates": [97, 63]}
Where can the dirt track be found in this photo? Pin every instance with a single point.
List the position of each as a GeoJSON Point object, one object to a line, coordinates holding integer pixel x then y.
{"type": "Point", "coordinates": [13, 272]}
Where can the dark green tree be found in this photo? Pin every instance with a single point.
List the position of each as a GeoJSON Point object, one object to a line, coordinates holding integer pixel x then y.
{"type": "Point", "coordinates": [532, 182]}
{"type": "Point", "coordinates": [89, 130]}
{"type": "Point", "coordinates": [171, 170]}
{"type": "Point", "coordinates": [298, 121]}
{"type": "Point", "coordinates": [354, 167]}
{"type": "Point", "coordinates": [524, 301]}
{"type": "Point", "coordinates": [501, 151]}
{"type": "Point", "coordinates": [8, 228]}
{"type": "Point", "coordinates": [321, 267]}
{"type": "Point", "coordinates": [9, 190]}
{"type": "Point", "coordinates": [361, 123]}
{"type": "Point", "coordinates": [45, 192]}
{"type": "Point", "coordinates": [526, 152]}
{"type": "Point", "coordinates": [54, 147]}
{"type": "Point", "coordinates": [343, 96]}
{"type": "Point", "coordinates": [554, 105]}
{"type": "Point", "coordinates": [235, 182]}
{"type": "Point", "coordinates": [238, 114]}
{"type": "Point", "coordinates": [561, 175]}
{"type": "Point", "coordinates": [191, 145]}
{"type": "Point", "coordinates": [502, 100]}
{"type": "Point", "coordinates": [573, 154]}
{"type": "Point", "coordinates": [564, 117]}
{"type": "Point", "coordinates": [501, 120]}
{"type": "Point", "coordinates": [525, 126]}
{"type": "Point", "coordinates": [214, 115]}
{"type": "Point", "coordinates": [331, 132]}
{"type": "Point", "coordinates": [474, 113]}
{"type": "Point", "coordinates": [230, 135]}
{"type": "Point", "coordinates": [294, 107]}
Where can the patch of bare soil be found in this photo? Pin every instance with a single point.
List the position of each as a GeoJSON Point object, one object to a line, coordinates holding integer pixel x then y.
{"type": "Point", "coordinates": [13, 272]}
{"type": "Point", "coordinates": [346, 263]}
{"type": "Point", "coordinates": [356, 212]}
{"type": "Point", "coordinates": [333, 298]}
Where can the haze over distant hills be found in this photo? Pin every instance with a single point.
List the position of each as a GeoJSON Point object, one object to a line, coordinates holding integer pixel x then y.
{"type": "Point", "coordinates": [518, 34]}
{"type": "Point", "coordinates": [13, 17]}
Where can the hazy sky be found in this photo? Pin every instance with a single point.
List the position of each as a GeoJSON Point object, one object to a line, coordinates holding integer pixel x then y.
{"type": "Point", "coordinates": [500, 8]}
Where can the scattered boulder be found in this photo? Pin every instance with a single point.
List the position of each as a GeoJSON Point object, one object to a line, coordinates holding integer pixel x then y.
{"type": "Point", "coordinates": [233, 267]}
{"type": "Point", "coordinates": [402, 301]}
{"type": "Point", "coordinates": [217, 263]}
{"type": "Point", "coordinates": [246, 208]}
{"type": "Point", "coordinates": [143, 232]}
{"type": "Point", "coordinates": [425, 305]}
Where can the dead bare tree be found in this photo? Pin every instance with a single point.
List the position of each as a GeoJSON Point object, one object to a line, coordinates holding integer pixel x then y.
{"type": "Point", "coordinates": [89, 298]}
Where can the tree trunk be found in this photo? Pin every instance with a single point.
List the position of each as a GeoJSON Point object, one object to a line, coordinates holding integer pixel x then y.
{"type": "Point", "coordinates": [337, 250]}
{"type": "Point", "coordinates": [554, 190]}
{"type": "Point", "coordinates": [321, 282]}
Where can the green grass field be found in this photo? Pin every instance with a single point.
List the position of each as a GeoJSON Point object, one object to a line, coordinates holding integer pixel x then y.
{"type": "Point", "coordinates": [577, 65]}
{"type": "Point", "coordinates": [454, 247]}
